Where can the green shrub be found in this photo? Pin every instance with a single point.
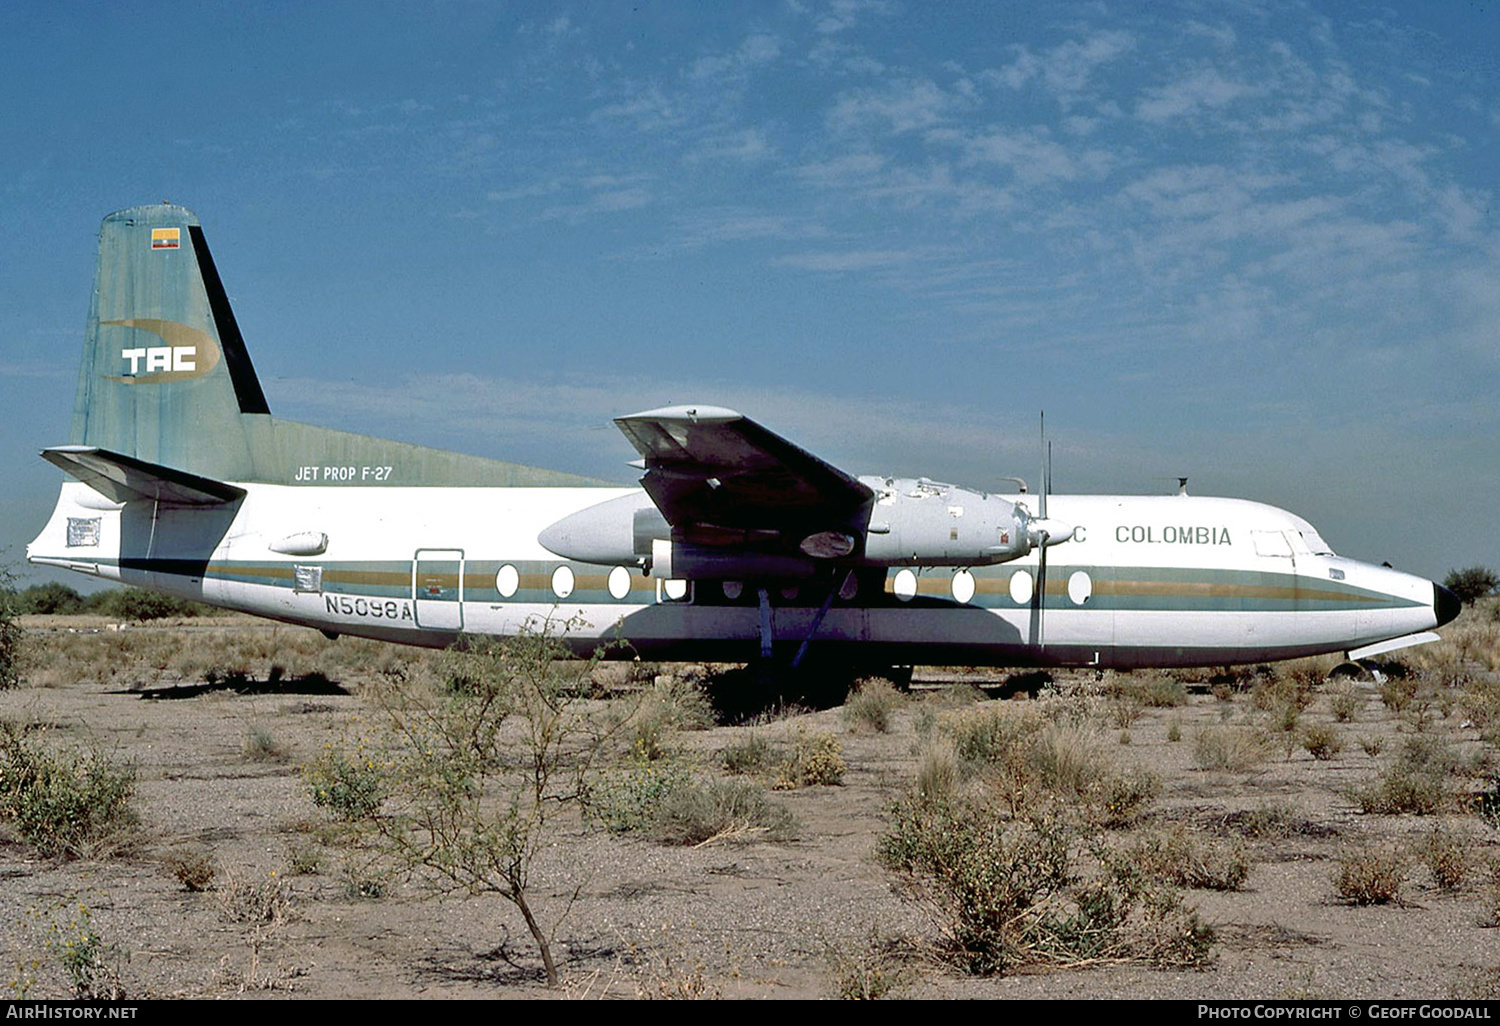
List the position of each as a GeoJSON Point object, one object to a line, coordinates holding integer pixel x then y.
{"type": "Point", "coordinates": [817, 760]}
{"type": "Point", "coordinates": [1472, 583]}
{"type": "Point", "coordinates": [261, 746]}
{"type": "Point", "coordinates": [1418, 782]}
{"type": "Point", "coordinates": [10, 634]}
{"type": "Point", "coordinates": [665, 802]}
{"type": "Point", "coordinates": [64, 802]}
{"type": "Point", "coordinates": [50, 598]}
{"type": "Point", "coordinates": [754, 754]}
{"type": "Point", "coordinates": [1322, 742]}
{"type": "Point", "coordinates": [140, 605]}
{"type": "Point", "coordinates": [937, 769]}
{"type": "Point", "coordinates": [624, 800]}
{"type": "Point", "coordinates": [1010, 892]}
{"type": "Point", "coordinates": [718, 809]}
{"type": "Point", "coordinates": [351, 785]}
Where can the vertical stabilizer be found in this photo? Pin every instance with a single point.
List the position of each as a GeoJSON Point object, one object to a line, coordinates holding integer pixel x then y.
{"type": "Point", "coordinates": [166, 377]}
{"type": "Point", "coordinates": [167, 381]}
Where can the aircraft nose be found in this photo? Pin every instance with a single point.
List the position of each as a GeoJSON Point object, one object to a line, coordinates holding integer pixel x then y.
{"type": "Point", "coordinates": [1445, 605]}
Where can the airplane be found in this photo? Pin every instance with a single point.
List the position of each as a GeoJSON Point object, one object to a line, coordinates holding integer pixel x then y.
{"type": "Point", "coordinates": [737, 545]}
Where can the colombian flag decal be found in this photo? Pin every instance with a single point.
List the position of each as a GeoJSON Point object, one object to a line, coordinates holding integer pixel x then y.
{"type": "Point", "coordinates": [166, 238]}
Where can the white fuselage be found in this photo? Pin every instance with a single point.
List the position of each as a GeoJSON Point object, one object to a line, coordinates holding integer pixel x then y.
{"type": "Point", "coordinates": [1145, 580]}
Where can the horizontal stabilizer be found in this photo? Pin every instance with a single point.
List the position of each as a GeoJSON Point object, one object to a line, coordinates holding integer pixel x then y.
{"type": "Point", "coordinates": [123, 478]}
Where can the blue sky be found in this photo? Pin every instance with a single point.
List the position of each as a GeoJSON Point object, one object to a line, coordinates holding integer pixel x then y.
{"type": "Point", "coordinates": [1252, 243]}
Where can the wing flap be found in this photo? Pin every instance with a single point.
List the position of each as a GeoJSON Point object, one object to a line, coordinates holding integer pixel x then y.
{"type": "Point", "coordinates": [122, 478]}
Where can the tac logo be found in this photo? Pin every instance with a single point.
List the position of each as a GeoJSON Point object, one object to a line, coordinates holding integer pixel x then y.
{"type": "Point", "coordinates": [188, 353]}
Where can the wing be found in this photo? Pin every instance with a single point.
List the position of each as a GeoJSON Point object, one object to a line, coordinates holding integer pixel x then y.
{"type": "Point", "coordinates": [720, 478]}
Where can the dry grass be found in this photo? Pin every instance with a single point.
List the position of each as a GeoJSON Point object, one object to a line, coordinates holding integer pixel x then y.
{"type": "Point", "coordinates": [1370, 877]}
{"type": "Point", "coordinates": [1229, 749]}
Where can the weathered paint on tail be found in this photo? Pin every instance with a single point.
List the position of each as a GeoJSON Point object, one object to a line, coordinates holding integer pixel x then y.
{"type": "Point", "coordinates": [167, 379]}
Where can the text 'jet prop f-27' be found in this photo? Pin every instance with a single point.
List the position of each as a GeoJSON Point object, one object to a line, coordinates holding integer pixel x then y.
{"type": "Point", "coordinates": [737, 546]}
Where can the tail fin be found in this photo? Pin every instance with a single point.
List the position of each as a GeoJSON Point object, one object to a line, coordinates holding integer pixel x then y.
{"type": "Point", "coordinates": [166, 377]}
{"type": "Point", "coordinates": [167, 381]}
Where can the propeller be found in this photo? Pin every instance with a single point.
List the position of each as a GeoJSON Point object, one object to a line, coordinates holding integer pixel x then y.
{"type": "Point", "coordinates": [1045, 532]}
{"type": "Point", "coordinates": [1039, 537]}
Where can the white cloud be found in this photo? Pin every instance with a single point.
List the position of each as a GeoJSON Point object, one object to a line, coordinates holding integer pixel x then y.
{"type": "Point", "coordinates": [745, 145]}
{"type": "Point", "coordinates": [902, 106]}
{"type": "Point", "coordinates": [1204, 89]}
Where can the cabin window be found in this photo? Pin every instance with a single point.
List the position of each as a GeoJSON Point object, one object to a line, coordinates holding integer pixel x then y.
{"type": "Point", "coordinates": [307, 578]}
{"type": "Point", "coordinates": [963, 586]}
{"type": "Point", "coordinates": [619, 582]}
{"type": "Point", "coordinates": [562, 582]}
{"type": "Point", "coordinates": [507, 580]}
{"type": "Point", "coordinates": [1020, 587]}
{"type": "Point", "coordinates": [1080, 587]}
{"type": "Point", "coordinates": [905, 584]}
{"type": "Point", "coordinates": [83, 531]}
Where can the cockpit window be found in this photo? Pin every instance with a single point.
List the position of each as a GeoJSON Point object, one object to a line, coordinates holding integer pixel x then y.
{"type": "Point", "coordinates": [1315, 542]}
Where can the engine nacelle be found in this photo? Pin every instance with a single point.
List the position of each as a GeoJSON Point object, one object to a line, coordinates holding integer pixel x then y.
{"type": "Point", "coordinates": [924, 523]}
{"type": "Point", "coordinates": [913, 522]}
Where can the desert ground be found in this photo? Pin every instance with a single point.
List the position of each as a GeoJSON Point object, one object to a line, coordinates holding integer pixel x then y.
{"type": "Point", "coordinates": [227, 879]}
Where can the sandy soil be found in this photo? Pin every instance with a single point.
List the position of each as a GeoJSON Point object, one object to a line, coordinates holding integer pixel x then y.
{"type": "Point", "coordinates": [757, 919]}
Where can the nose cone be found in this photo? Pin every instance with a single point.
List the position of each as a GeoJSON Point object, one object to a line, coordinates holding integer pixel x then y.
{"type": "Point", "coordinates": [1445, 604]}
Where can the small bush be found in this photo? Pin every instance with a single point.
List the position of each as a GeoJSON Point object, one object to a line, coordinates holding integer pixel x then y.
{"type": "Point", "coordinates": [937, 769]}
{"type": "Point", "coordinates": [719, 809]}
{"type": "Point", "coordinates": [629, 799]}
{"type": "Point", "coordinates": [1418, 782]}
{"type": "Point", "coordinates": [992, 735]}
{"type": "Point", "coordinates": [193, 868]}
{"type": "Point", "coordinates": [1370, 877]}
{"type": "Point", "coordinates": [10, 634]}
{"type": "Point", "coordinates": [1398, 692]}
{"type": "Point", "coordinates": [256, 902]}
{"type": "Point", "coordinates": [1447, 858]}
{"type": "Point", "coordinates": [1121, 798]}
{"type": "Point", "coordinates": [817, 760]}
{"type": "Point", "coordinates": [664, 801]}
{"type": "Point", "coordinates": [91, 963]}
{"type": "Point", "coordinates": [64, 802]}
{"type": "Point", "coordinates": [350, 785]}
{"type": "Point", "coordinates": [1186, 860]}
{"type": "Point", "coordinates": [1009, 892]}
{"type": "Point", "coordinates": [1344, 701]}
{"type": "Point", "coordinates": [1231, 749]}
{"type": "Point", "coordinates": [261, 746]}
{"type": "Point", "coordinates": [871, 974]}
{"type": "Point", "coordinates": [754, 754]}
{"type": "Point", "coordinates": [1322, 742]}
{"type": "Point", "coordinates": [871, 705]}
